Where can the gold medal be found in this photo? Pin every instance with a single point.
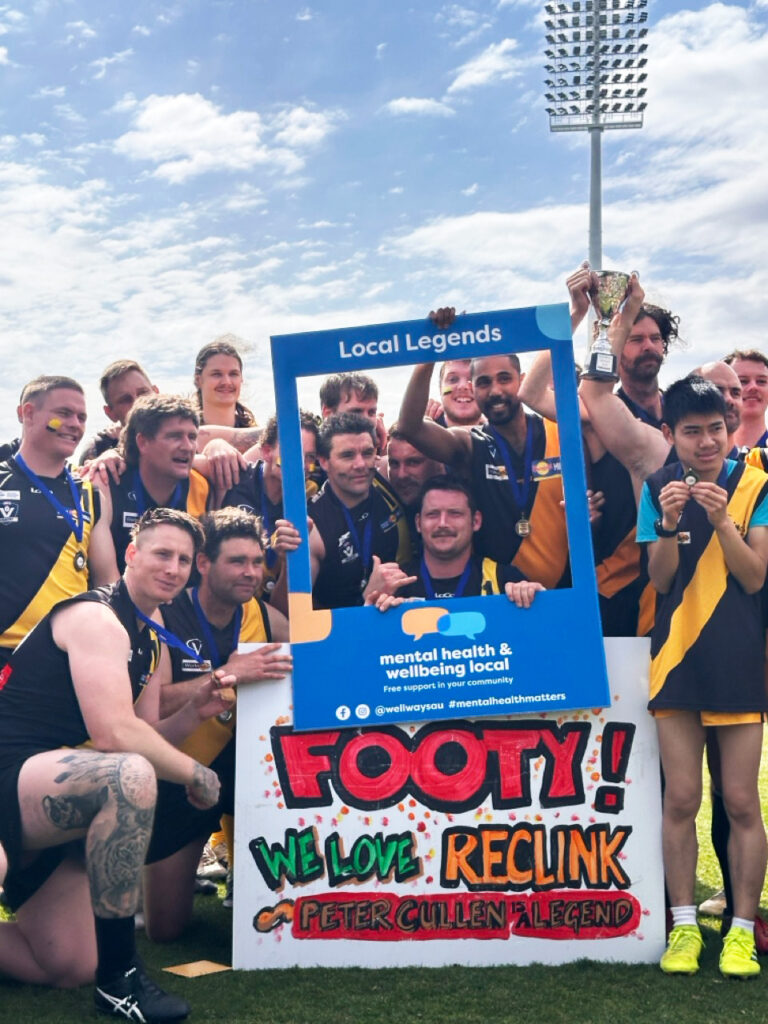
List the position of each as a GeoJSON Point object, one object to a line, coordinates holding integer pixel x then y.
{"type": "Point", "coordinates": [523, 527]}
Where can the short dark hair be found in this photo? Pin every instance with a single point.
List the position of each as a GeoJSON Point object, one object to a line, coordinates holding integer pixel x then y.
{"type": "Point", "coordinates": [116, 370]}
{"type": "Point", "coordinates": [339, 386]}
{"type": "Point", "coordinates": [667, 323]}
{"type": "Point", "coordinates": [146, 417]}
{"type": "Point", "coordinates": [691, 396]}
{"type": "Point", "coordinates": [511, 356]}
{"type": "Point", "coordinates": [342, 423]}
{"type": "Point", "coordinates": [227, 523]}
{"type": "Point", "coordinates": [168, 517]}
{"type": "Point", "coordinates": [752, 355]}
{"type": "Point", "coordinates": [447, 482]}
{"type": "Point", "coordinates": [37, 388]}
{"type": "Point", "coordinates": [307, 421]}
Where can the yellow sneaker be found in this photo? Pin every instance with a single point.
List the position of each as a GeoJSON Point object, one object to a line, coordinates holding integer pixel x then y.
{"type": "Point", "coordinates": [738, 958]}
{"type": "Point", "coordinates": [683, 948]}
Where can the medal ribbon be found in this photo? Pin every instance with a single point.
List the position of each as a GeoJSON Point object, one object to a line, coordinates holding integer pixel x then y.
{"type": "Point", "coordinates": [367, 542]}
{"type": "Point", "coordinates": [169, 639]}
{"type": "Point", "coordinates": [216, 660]}
{"type": "Point", "coordinates": [77, 521]}
{"type": "Point", "coordinates": [141, 495]}
{"type": "Point", "coordinates": [521, 491]}
{"type": "Point", "coordinates": [427, 580]}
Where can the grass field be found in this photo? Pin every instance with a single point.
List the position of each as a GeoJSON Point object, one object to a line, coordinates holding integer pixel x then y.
{"type": "Point", "coordinates": [580, 993]}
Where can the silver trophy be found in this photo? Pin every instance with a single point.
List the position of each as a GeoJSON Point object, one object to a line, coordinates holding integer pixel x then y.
{"type": "Point", "coordinates": [607, 297]}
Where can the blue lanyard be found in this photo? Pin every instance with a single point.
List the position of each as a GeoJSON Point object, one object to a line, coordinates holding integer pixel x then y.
{"type": "Point", "coordinates": [520, 492]}
{"type": "Point", "coordinates": [140, 494]}
{"type": "Point", "coordinates": [169, 639]}
{"type": "Point", "coordinates": [427, 580]}
{"type": "Point", "coordinates": [354, 536]}
{"type": "Point", "coordinates": [77, 521]}
{"type": "Point", "coordinates": [210, 641]}
{"type": "Point", "coordinates": [270, 555]}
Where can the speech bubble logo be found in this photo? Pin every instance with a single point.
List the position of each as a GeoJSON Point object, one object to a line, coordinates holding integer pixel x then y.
{"type": "Point", "coordinates": [467, 624]}
{"type": "Point", "coordinates": [418, 621]}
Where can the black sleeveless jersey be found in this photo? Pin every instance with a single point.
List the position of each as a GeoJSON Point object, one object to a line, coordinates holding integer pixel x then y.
{"type": "Point", "coordinates": [41, 560]}
{"type": "Point", "coordinates": [130, 499]}
{"type": "Point", "coordinates": [39, 709]}
{"type": "Point", "coordinates": [343, 574]}
{"type": "Point", "coordinates": [486, 577]}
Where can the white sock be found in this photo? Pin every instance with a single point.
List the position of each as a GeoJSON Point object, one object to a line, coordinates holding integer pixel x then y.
{"type": "Point", "coordinates": [742, 922]}
{"type": "Point", "coordinates": [683, 915]}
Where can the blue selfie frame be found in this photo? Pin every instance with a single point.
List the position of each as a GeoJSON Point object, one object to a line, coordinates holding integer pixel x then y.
{"type": "Point", "coordinates": [360, 667]}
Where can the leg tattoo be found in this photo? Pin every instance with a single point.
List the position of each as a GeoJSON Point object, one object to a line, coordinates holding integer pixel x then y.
{"type": "Point", "coordinates": [117, 807]}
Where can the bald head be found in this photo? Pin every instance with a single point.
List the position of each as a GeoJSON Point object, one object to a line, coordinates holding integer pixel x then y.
{"type": "Point", "coordinates": [726, 380]}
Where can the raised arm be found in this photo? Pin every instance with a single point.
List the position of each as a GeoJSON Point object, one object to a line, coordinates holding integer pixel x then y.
{"type": "Point", "coordinates": [638, 446]}
{"type": "Point", "coordinates": [445, 444]}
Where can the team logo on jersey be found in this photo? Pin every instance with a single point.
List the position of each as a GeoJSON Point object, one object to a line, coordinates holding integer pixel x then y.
{"type": "Point", "coordinates": [9, 512]}
{"type": "Point", "coordinates": [247, 508]}
{"type": "Point", "coordinates": [544, 468]}
{"type": "Point", "coordinates": [392, 520]}
{"type": "Point", "coordinates": [189, 664]}
{"type": "Point", "coordinates": [347, 549]}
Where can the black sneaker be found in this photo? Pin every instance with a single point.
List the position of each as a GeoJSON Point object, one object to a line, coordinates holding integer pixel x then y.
{"type": "Point", "coordinates": [134, 996]}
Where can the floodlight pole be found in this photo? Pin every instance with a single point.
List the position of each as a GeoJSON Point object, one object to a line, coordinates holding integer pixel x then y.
{"type": "Point", "coordinates": [596, 53]}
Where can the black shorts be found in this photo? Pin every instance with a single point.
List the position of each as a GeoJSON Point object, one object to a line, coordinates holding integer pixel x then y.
{"type": "Point", "coordinates": [27, 871]}
{"type": "Point", "coordinates": [178, 823]}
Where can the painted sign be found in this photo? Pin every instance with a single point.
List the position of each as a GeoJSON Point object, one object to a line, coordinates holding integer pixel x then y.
{"type": "Point", "coordinates": [465, 656]}
{"type": "Point", "coordinates": [528, 838]}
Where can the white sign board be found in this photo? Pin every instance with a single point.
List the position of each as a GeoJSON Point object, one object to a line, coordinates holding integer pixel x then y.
{"type": "Point", "coordinates": [528, 838]}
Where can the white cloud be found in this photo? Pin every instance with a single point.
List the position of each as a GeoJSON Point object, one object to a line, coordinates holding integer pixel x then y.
{"type": "Point", "coordinates": [79, 33]}
{"type": "Point", "coordinates": [380, 48]}
{"type": "Point", "coordinates": [396, 190]}
{"type": "Point", "coordinates": [4, 55]}
{"type": "Point", "coordinates": [471, 190]}
{"type": "Point", "coordinates": [419, 106]}
{"type": "Point", "coordinates": [50, 90]}
{"type": "Point", "coordinates": [103, 63]}
{"type": "Point", "coordinates": [187, 135]}
{"type": "Point", "coordinates": [68, 113]}
{"type": "Point", "coordinates": [305, 14]}
{"type": "Point", "coordinates": [299, 127]}
{"type": "Point", "coordinates": [494, 63]}
{"type": "Point", "coordinates": [141, 30]}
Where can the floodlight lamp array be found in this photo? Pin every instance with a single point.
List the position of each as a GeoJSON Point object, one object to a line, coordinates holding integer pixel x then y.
{"type": "Point", "coordinates": [596, 59]}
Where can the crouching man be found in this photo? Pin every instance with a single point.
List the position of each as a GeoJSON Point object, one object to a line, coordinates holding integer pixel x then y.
{"type": "Point", "coordinates": [75, 822]}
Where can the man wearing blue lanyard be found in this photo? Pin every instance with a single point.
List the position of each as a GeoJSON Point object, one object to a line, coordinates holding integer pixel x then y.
{"type": "Point", "coordinates": [158, 445]}
{"type": "Point", "coordinates": [212, 619]}
{"type": "Point", "coordinates": [359, 534]}
{"type": "Point", "coordinates": [448, 521]}
{"type": "Point", "coordinates": [513, 462]}
{"type": "Point", "coordinates": [54, 542]}
{"type": "Point", "coordinates": [82, 746]}
{"type": "Point", "coordinates": [260, 488]}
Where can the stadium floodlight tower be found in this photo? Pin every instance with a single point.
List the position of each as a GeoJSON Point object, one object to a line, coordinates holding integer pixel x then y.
{"type": "Point", "coordinates": [596, 65]}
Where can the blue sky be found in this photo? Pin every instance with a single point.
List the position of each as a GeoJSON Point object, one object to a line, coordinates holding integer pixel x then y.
{"type": "Point", "coordinates": [173, 171]}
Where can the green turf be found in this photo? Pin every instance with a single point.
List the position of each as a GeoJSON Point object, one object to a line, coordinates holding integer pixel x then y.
{"type": "Point", "coordinates": [580, 993]}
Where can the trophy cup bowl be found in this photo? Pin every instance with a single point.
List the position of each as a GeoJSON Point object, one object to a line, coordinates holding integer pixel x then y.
{"type": "Point", "coordinates": [607, 297]}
